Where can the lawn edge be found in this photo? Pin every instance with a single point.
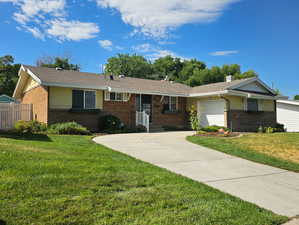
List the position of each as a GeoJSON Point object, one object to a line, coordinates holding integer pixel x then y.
{"type": "Point", "coordinates": [273, 161]}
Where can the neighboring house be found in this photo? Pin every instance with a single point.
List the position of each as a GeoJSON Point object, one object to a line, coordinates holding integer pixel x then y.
{"type": "Point", "coordinates": [288, 114]}
{"type": "Point", "coordinates": [7, 99]}
{"type": "Point", "coordinates": [60, 95]}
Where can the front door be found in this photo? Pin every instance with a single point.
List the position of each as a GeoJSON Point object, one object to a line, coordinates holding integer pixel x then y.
{"type": "Point", "coordinates": [144, 103]}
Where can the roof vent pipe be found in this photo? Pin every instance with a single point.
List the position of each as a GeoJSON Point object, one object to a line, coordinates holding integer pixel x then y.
{"type": "Point", "coordinates": [229, 78]}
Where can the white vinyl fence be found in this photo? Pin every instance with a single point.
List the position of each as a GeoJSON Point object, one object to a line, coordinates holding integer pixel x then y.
{"type": "Point", "coordinates": [11, 113]}
{"type": "Point", "coordinates": [142, 118]}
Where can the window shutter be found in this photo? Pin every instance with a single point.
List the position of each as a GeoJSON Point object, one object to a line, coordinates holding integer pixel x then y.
{"type": "Point", "coordinates": [77, 99]}
{"type": "Point", "coordinates": [90, 99]}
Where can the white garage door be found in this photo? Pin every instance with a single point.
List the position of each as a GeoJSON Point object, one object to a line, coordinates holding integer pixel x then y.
{"type": "Point", "coordinates": [211, 112]}
{"type": "Point", "coordinates": [288, 115]}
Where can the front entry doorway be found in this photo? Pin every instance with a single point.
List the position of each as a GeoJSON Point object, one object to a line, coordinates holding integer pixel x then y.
{"type": "Point", "coordinates": [144, 103]}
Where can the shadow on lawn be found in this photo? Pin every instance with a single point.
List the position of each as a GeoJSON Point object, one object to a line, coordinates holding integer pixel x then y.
{"type": "Point", "coordinates": [28, 137]}
{"type": "Point", "coordinates": [2, 222]}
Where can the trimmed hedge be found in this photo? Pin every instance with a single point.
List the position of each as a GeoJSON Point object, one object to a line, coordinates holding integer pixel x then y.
{"type": "Point", "coordinates": [30, 127]}
{"type": "Point", "coordinates": [68, 128]}
{"type": "Point", "coordinates": [213, 128]}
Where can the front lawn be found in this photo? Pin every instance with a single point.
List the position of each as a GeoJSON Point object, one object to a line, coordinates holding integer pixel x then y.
{"type": "Point", "coordinates": [68, 180]}
{"type": "Point", "coordinates": [278, 149]}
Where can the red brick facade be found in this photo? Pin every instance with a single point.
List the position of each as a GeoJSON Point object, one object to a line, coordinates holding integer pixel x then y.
{"type": "Point", "coordinates": [86, 119]}
{"type": "Point", "coordinates": [38, 97]}
{"type": "Point", "coordinates": [125, 111]}
{"type": "Point", "coordinates": [177, 119]}
{"type": "Point", "coordinates": [239, 120]}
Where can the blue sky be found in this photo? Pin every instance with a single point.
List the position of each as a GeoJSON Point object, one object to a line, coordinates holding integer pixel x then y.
{"type": "Point", "coordinates": [257, 34]}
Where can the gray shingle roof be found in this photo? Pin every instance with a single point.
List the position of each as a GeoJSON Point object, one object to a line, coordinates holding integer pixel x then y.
{"type": "Point", "coordinates": [220, 86]}
{"type": "Point", "coordinates": [51, 76]}
{"type": "Point", "coordinates": [91, 80]}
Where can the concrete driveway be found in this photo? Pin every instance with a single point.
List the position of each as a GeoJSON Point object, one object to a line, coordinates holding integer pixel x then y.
{"type": "Point", "coordinates": [271, 188]}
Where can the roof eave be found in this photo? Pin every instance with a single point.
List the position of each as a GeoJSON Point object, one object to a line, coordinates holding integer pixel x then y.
{"type": "Point", "coordinates": [54, 84]}
{"type": "Point", "coordinates": [207, 94]}
{"type": "Point", "coordinates": [288, 102]}
{"type": "Point", "coordinates": [253, 95]}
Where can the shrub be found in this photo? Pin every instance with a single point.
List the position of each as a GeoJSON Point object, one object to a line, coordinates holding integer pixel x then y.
{"type": "Point", "coordinates": [269, 130]}
{"type": "Point", "coordinates": [68, 128]}
{"type": "Point", "coordinates": [213, 128]}
{"type": "Point", "coordinates": [280, 128]}
{"type": "Point", "coordinates": [195, 123]}
{"type": "Point", "coordinates": [111, 123]}
{"type": "Point", "coordinates": [29, 127]}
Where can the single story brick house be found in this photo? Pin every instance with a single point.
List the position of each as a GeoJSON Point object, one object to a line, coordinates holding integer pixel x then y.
{"type": "Point", "coordinates": [61, 95]}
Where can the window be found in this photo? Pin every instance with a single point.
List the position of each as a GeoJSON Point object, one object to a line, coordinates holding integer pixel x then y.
{"type": "Point", "coordinates": [252, 105]}
{"type": "Point", "coordinates": [114, 96]}
{"type": "Point", "coordinates": [90, 100]}
{"type": "Point", "coordinates": [170, 104]}
{"type": "Point", "coordinates": [78, 99]}
{"type": "Point", "coordinates": [84, 99]}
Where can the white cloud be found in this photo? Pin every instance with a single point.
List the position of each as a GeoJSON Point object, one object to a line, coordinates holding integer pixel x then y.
{"type": "Point", "coordinates": [13, 1]}
{"type": "Point", "coordinates": [35, 32]}
{"type": "Point", "coordinates": [166, 42]}
{"type": "Point", "coordinates": [162, 53]}
{"type": "Point", "coordinates": [155, 17]}
{"type": "Point", "coordinates": [146, 47]}
{"type": "Point", "coordinates": [106, 44]}
{"type": "Point", "coordinates": [224, 53]}
{"type": "Point", "coordinates": [152, 52]}
{"type": "Point", "coordinates": [28, 9]}
{"type": "Point", "coordinates": [47, 18]}
{"type": "Point", "coordinates": [72, 30]}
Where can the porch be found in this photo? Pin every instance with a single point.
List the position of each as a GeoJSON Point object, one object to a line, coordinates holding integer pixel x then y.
{"type": "Point", "coordinates": [157, 112]}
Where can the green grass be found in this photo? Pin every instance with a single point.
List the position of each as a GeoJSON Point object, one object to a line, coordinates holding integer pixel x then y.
{"type": "Point", "coordinates": [68, 180]}
{"type": "Point", "coordinates": [279, 149]}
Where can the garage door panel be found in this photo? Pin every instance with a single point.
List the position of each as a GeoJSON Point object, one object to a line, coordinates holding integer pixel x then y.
{"type": "Point", "coordinates": [211, 112]}
{"type": "Point", "coordinates": [289, 116]}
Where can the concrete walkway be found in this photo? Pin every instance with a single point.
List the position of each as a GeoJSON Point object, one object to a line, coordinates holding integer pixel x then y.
{"type": "Point", "coordinates": [271, 188]}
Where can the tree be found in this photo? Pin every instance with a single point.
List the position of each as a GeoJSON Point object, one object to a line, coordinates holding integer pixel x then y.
{"type": "Point", "coordinates": [57, 62]}
{"type": "Point", "coordinates": [8, 74]}
{"type": "Point", "coordinates": [296, 97]}
{"type": "Point", "coordinates": [168, 66]}
{"type": "Point", "coordinates": [189, 66]}
{"type": "Point", "coordinates": [247, 74]}
{"type": "Point", "coordinates": [129, 65]}
{"type": "Point", "coordinates": [190, 72]}
{"type": "Point", "coordinates": [233, 69]}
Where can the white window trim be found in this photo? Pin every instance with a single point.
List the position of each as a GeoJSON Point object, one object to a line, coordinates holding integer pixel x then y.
{"type": "Point", "coordinates": [125, 97]}
{"type": "Point", "coordinates": [170, 103]}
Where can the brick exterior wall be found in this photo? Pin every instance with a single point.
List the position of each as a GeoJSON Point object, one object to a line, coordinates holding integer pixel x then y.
{"type": "Point", "coordinates": [250, 121]}
{"type": "Point", "coordinates": [38, 97]}
{"type": "Point", "coordinates": [86, 119]}
{"type": "Point", "coordinates": [179, 119]}
{"type": "Point", "coordinates": [125, 111]}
